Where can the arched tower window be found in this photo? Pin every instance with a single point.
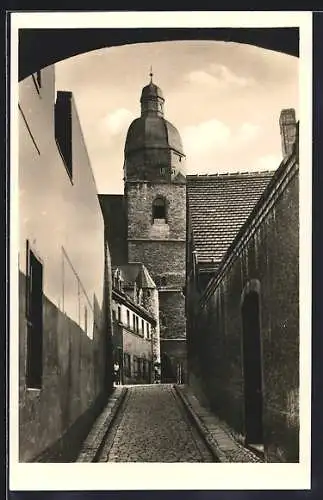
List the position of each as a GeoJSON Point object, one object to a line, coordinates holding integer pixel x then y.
{"type": "Point", "coordinates": [159, 209]}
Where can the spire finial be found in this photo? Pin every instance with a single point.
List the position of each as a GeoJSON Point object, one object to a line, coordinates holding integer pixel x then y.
{"type": "Point", "coordinates": [151, 74]}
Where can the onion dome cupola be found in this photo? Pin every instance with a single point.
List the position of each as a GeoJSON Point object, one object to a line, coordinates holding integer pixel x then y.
{"type": "Point", "coordinates": [153, 148]}
{"type": "Point", "coordinates": [152, 100]}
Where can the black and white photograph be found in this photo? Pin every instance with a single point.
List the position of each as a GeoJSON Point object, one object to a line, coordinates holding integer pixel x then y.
{"type": "Point", "coordinates": [160, 249]}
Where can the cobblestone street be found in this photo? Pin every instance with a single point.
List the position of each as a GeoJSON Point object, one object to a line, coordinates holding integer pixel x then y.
{"type": "Point", "coordinates": [153, 426]}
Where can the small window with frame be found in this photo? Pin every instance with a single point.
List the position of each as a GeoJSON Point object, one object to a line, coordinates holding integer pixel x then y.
{"type": "Point", "coordinates": [159, 209]}
{"type": "Point", "coordinates": [163, 281]}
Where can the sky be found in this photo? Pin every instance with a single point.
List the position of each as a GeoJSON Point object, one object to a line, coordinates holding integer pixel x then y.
{"type": "Point", "coordinates": [224, 98]}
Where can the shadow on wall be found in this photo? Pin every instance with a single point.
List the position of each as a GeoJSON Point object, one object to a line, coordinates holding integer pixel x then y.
{"type": "Point", "coordinates": [56, 417]}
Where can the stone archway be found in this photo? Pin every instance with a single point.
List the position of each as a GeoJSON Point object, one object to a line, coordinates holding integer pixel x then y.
{"type": "Point", "coordinates": [39, 48]}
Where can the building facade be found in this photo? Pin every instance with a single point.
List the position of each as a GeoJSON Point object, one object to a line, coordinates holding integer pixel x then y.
{"type": "Point", "coordinates": [135, 325]}
{"type": "Point", "coordinates": [243, 324]}
{"type": "Point", "coordinates": [65, 319]}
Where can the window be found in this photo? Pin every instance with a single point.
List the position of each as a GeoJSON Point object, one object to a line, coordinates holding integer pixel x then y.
{"type": "Point", "coordinates": [114, 316]}
{"type": "Point", "coordinates": [127, 364]}
{"type": "Point", "coordinates": [137, 324]}
{"type": "Point", "coordinates": [159, 209]}
{"type": "Point", "coordinates": [160, 281]}
{"type": "Point", "coordinates": [63, 128]}
{"type": "Point", "coordinates": [143, 327]}
{"type": "Point", "coordinates": [139, 369]}
{"type": "Point", "coordinates": [119, 314]}
{"type": "Point", "coordinates": [148, 330]}
{"type": "Point", "coordinates": [134, 322]}
{"type": "Point", "coordinates": [128, 318]}
{"type": "Point", "coordinates": [144, 368]}
{"type": "Point", "coordinates": [163, 170]}
{"type": "Point", "coordinates": [135, 366]}
{"type": "Point", "coordinates": [34, 313]}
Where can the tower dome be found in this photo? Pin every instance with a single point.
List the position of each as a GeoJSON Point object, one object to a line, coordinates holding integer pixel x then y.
{"type": "Point", "coordinates": [151, 91]}
{"type": "Point", "coordinates": [153, 147]}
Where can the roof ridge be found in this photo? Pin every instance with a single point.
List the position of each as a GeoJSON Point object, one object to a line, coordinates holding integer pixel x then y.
{"type": "Point", "coordinates": [229, 174]}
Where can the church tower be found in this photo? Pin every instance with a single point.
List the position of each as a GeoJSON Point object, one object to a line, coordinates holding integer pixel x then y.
{"type": "Point", "coordinates": [155, 193]}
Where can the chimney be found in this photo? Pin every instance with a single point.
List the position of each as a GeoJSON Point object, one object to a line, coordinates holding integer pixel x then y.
{"type": "Point", "coordinates": [288, 130]}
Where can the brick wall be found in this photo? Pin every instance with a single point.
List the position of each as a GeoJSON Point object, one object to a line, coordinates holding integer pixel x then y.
{"type": "Point", "coordinates": [215, 333]}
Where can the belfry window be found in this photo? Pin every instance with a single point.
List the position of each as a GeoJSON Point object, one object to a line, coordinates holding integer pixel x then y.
{"type": "Point", "coordinates": [159, 209]}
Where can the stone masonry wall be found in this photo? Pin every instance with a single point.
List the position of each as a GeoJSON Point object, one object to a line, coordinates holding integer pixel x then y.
{"type": "Point", "coordinates": [215, 333]}
{"type": "Point", "coordinates": [163, 252]}
{"type": "Point", "coordinates": [140, 197]}
{"type": "Point", "coordinates": [172, 314]}
{"type": "Point", "coordinates": [162, 259]}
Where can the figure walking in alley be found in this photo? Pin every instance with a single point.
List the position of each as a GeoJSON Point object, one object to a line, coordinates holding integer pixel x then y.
{"type": "Point", "coordinates": [116, 369]}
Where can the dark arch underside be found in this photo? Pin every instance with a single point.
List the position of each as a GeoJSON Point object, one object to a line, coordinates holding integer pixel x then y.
{"type": "Point", "coordinates": [41, 47]}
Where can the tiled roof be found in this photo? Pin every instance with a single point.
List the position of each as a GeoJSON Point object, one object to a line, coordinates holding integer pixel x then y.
{"type": "Point", "coordinates": [115, 222]}
{"type": "Point", "coordinates": [218, 207]}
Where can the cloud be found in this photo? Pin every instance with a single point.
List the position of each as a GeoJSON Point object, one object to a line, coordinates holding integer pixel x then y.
{"type": "Point", "coordinates": [205, 136]}
{"type": "Point", "coordinates": [218, 75]}
{"type": "Point", "coordinates": [268, 162]}
{"type": "Point", "coordinates": [248, 132]}
{"type": "Point", "coordinates": [214, 135]}
{"type": "Point", "coordinates": [201, 77]}
{"type": "Point", "coordinates": [117, 121]}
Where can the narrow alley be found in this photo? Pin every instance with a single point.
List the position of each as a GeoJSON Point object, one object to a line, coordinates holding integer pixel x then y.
{"type": "Point", "coordinates": [153, 426]}
{"type": "Point", "coordinates": [158, 269]}
{"type": "Point", "coordinates": [161, 423]}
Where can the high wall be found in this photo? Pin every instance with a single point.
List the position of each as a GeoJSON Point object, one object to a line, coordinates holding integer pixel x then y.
{"type": "Point", "coordinates": [263, 260]}
{"type": "Point", "coordinates": [62, 225]}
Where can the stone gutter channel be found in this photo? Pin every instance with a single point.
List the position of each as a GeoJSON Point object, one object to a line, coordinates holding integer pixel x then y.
{"type": "Point", "coordinates": [93, 444]}
{"type": "Point", "coordinates": [218, 437]}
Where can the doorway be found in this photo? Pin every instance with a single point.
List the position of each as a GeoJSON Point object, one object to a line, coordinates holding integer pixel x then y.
{"type": "Point", "coordinates": [168, 374]}
{"type": "Point", "coordinates": [252, 367]}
